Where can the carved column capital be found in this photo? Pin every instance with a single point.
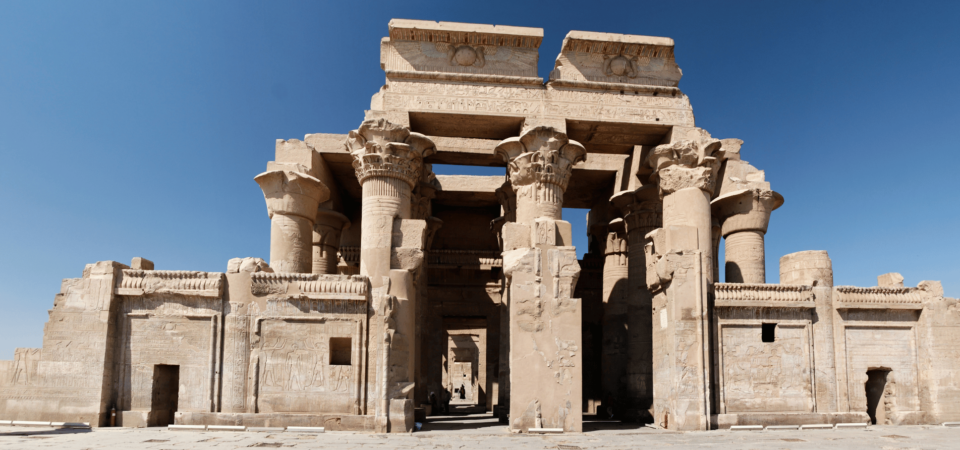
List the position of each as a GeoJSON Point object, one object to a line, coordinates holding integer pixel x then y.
{"type": "Point", "coordinates": [642, 210]}
{"type": "Point", "coordinates": [540, 155]}
{"type": "Point", "coordinates": [328, 226]}
{"type": "Point", "coordinates": [381, 148]}
{"type": "Point", "coordinates": [539, 164]}
{"type": "Point", "coordinates": [292, 193]}
{"type": "Point", "coordinates": [745, 210]}
{"type": "Point", "coordinates": [685, 164]}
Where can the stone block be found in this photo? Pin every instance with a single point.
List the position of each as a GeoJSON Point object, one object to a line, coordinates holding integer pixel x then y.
{"type": "Point", "coordinates": [401, 415]}
{"type": "Point", "coordinates": [681, 238]}
{"type": "Point", "coordinates": [295, 151]}
{"type": "Point", "coordinates": [515, 235]}
{"type": "Point", "coordinates": [251, 265]}
{"type": "Point", "coordinates": [891, 279]}
{"type": "Point", "coordinates": [139, 263]}
{"type": "Point", "coordinates": [409, 233]}
{"type": "Point", "coordinates": [564, 233]}
{"type": "Point", "coordinates": [543, 232]}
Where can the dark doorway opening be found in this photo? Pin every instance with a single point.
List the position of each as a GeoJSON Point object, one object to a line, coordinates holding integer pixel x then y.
{"type": "Point", "coordinates": [875, 385]}
{"type": "Point", "coordinates": [166, 393]}
{"type": "Point", "coordinates": [768, 332]}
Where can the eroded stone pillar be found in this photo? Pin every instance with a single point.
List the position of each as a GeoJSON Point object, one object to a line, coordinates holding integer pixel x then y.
{"type": "Point", "coordinates": [292, 200]}
{"type": "Point", "coordinates": [744, 216]}
{"type": "Point", "coordinates": [616, 309]}
{"type": "Point", "coordinates": [326, 240]}
{"type": "Point", "coordinates": [388, 160]}
{"type": "Point", "coordinates": [541, 269]}
{"type": "Point", "coordinates": [680, 274]}
{"type": "Point", "coordinates": [643, 213]}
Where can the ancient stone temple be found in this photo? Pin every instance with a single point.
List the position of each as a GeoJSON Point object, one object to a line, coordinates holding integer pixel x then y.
{"type": "Point", "coordinates": [392, 292]}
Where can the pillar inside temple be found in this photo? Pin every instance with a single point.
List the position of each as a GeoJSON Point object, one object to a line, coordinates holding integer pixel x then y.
{"type": "Point", "coordinates": [680, 274]}
{"type": "Point", "coordinates": [326, 240]}
{"type": "Point", "coordinates": [388, 161]}
{"type": "Point", "coordinates": [541, 269]}
{"type": "Point", "coordinates": [642, 213]}
{"type": "Point", "coordinates": [292, 200]}
{"type": "Point", "coordinates": [616, 309]}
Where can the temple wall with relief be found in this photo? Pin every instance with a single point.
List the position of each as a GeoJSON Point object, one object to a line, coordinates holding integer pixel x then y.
{"type": "Point", "coordinates": [392, 291]}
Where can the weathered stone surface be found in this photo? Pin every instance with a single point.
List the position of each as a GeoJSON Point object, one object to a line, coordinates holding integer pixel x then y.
{"type": "Point", "coordinates": [393, 292]}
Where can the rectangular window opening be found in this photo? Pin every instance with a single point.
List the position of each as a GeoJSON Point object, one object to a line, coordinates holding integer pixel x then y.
{"type": "Point", "coordinates": [341, 351]}
{"type": "Point", "coordinates": [769, 332]}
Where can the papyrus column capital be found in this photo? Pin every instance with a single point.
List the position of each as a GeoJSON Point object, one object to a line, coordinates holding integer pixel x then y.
{"type": "Point", "coordinates": [745, 210]}
{"type": "Point", "coordinates": [292, 193]}
{"type": "Point", "coordinates": [642, 210]}
{"type": "Point", "coordinates": [381, 148]}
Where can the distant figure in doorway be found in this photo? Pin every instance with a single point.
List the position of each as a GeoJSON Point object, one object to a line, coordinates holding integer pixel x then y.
{"type": "Point", "coordinates": [463, 392]}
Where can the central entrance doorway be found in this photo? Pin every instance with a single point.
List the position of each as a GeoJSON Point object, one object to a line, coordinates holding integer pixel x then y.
{"type": "Point", "coordinates": [166, 394]}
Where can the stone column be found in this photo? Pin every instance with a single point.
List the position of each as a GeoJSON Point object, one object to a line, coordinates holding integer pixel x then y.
{"type": "Point", "coordinates": [508, 204]}
{"type": "Point", "coordinates": [686, 174]}
{"type": "Point", "coordinates": [744, 216]}
{"type": "Point", "coordinates": [388, 161]}
{"type": "Point", "coordinates": [680, 274]}
{"type": "Point", "coordinates": [326, 240]}
{"type": "Point", "coordinates": [643, 213]}
{"type": "Point", "coordinates": [292, 200]}
{"type": "Point", "coordinates": [616, 308]}
{"type": "Point", "coordinates": [541, 269]}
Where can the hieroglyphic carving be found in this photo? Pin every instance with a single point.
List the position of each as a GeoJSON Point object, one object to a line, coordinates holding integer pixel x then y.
{"type": "Point", "coordinates": [296, 373]}
{"type": "Point", "coordinates": [766, 376]}
{"type": "Point", "coordinates": [519, 100]}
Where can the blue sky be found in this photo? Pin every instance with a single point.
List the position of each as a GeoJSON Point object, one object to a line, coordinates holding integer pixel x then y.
{"type": "Point", "coordinates": [135, 128]}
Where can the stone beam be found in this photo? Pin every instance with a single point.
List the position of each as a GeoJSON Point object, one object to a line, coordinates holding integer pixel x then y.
{"type": "Point", "coordinates": [468, 190]}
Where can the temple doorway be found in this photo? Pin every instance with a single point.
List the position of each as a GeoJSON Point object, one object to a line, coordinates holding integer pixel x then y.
{"type": "Point", "coordinates": [875, 386]}
{"type": "Point", "coordinates": [166, 393]}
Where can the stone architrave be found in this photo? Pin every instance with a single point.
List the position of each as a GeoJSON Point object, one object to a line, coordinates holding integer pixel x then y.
{"type": "Point", "coordinates": [541, 270]}
{"type": "Point", "coordinates": [642, 213]}
{"type": "Point", "coordinates": [292, 201]}
{"type": "Point", "coordinates": [326, 240]}
{"type": "Point", "coordinates": [744, 216]}
{"type": "Point", "coordinates": [680, 274]}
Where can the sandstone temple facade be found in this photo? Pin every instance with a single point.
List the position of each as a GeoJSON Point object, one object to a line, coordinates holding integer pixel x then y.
{"type": "Point", "coordinates": [390, 289]}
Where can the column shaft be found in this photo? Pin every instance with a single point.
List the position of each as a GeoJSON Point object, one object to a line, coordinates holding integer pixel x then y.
{"type": "Point", "coordinates": [289, 250]}
{"type": "Point", "coordinates": [744, 257]}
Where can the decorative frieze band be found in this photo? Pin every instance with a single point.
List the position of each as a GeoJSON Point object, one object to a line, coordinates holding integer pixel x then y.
{"type": "Point", "coordinates": [852, 297]}
{"type": "Point", "coordinates": [764, 295]}
{"type": "Point", "coordinates": [183, 282]}
{"type": "Point", "coordinates": [311, 285]}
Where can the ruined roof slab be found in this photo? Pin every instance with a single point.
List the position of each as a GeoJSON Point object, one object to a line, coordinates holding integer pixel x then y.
{"type": "Point", "coordinates": [604, 60]}
{"type": "Point", "coordinates": [421, 49]}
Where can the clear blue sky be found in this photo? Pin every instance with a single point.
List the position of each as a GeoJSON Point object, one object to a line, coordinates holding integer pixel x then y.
{"type": "Point", "coordinates": [135, 128]}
